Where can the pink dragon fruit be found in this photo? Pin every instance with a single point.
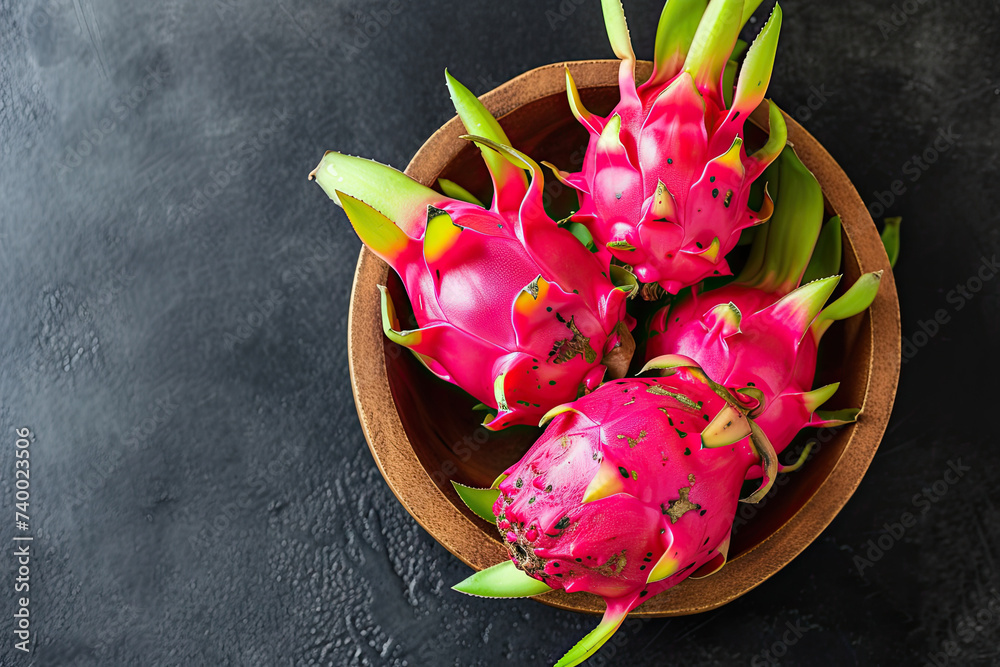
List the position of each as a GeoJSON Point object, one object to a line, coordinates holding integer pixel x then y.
{"type": "Point", "coordinates": [634, 487]}
{"type": "Point", "coordinates": [629, 491]}
{"type": "Point", "coordinates": [510, 306]}
{"type": "Point", "coordinates": [759, 334]}
{"type": "Point", "coordinates": [666, 177]}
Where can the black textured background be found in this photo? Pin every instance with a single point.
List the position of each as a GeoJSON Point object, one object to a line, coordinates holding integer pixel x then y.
{"type": "Point", "coordinates": [174, 335]}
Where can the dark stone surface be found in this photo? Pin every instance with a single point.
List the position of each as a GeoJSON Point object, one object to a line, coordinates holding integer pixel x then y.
{"type": "Point", "coordinates": [201, 490]}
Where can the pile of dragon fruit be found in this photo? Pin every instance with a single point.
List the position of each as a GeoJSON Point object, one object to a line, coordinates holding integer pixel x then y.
{"type": "Point", "coordinates": [634, 484]}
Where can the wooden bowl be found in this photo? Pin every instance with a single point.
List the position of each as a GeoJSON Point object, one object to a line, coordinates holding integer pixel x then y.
{"type": "Point", "coordinates": [423, 432]}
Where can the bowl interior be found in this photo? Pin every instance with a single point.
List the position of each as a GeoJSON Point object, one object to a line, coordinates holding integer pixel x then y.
{"type": "Point", "coordinates": [444, 439]}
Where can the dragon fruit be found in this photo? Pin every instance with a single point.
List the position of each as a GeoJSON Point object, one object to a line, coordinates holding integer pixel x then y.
{"type": "Point", "coordinates": [510, 306]}
{"type": "Point", "coordinates": [634, 487]}
{"type": "Point", "coordinates": [629, 491]}
{"type": "Point", "coordinates": [759, 334]}
{"type": "Point", "coordinates": [666, 178]}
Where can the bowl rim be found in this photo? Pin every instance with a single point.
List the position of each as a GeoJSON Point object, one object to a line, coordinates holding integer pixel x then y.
{"type": "Point", "coordinates": [413, 486]}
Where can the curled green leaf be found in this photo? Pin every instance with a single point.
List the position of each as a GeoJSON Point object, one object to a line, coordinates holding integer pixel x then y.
{"type": "Point", "coordinates": [479, 501]}
{"type": "Point", "coordinates": [502, 581]}
{"type": "Point", "coordinates": [890, 239]}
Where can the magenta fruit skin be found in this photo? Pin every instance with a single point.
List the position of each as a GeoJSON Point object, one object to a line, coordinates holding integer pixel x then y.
{"type": "Point", "coordinates": [665, 181]}
{"type": "Point", "coordinates": [664, 498]}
